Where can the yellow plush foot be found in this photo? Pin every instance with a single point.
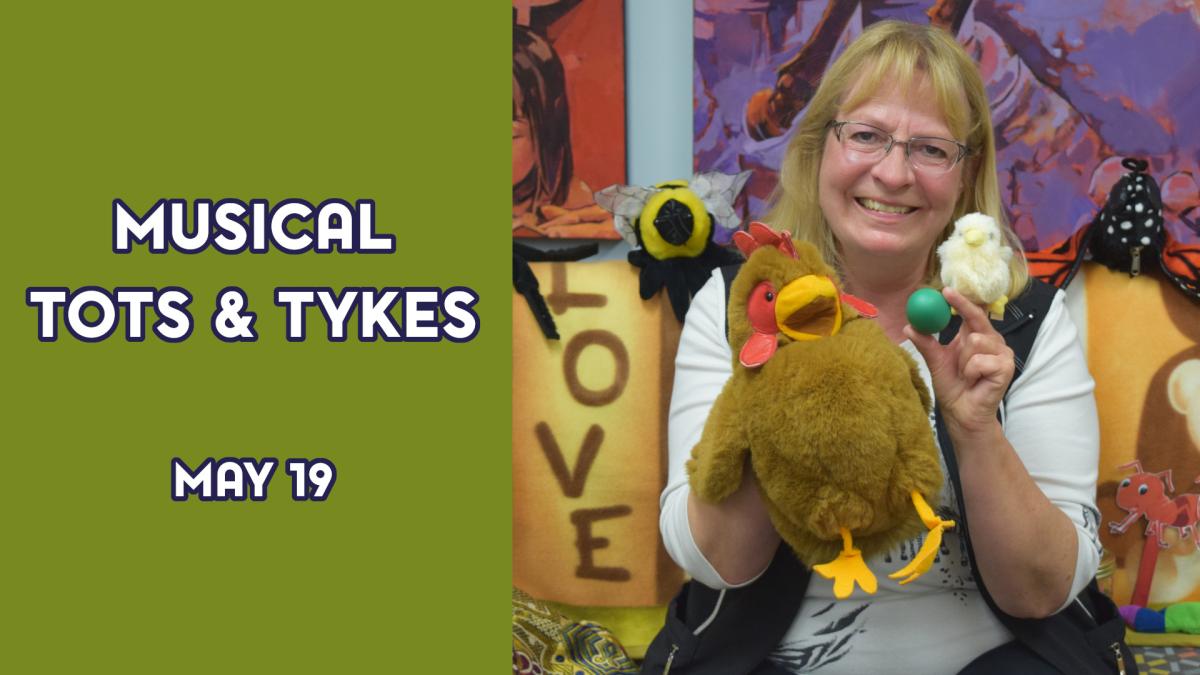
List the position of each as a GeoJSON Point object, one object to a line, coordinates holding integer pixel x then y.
{"type": "Point", "coordinates": [848, 569]}
{"type": "Point", "coordinates": [996, 309]}
{"type": "Point", "coordinates": [923, 561]}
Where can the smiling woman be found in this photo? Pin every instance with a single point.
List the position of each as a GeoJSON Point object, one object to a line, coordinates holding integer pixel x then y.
{"type": "Point", "coordinates": [903, 91]}
{"type": "Point", "coordinates": [883, 203]}
{"type": "Point", "coordinates": [895, 145]}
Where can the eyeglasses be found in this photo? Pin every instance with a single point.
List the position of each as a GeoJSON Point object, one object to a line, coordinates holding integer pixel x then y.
{"type": "Point", "coordinates": [928, 154]}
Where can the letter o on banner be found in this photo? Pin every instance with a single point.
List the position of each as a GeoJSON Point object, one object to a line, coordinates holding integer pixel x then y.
{"type": "Point", "coordinates": [599, 338]}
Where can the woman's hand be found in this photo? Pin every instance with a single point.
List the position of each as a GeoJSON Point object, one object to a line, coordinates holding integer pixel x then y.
{"type": "Point", "coordinates": [588, 222]}
{"type": "Point", "coordinates": [1026, 547]}
{"type": "Point", "coordinates": [971, 373]}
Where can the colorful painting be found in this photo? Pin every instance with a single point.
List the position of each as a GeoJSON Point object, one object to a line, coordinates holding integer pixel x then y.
{"type": "Point", "coordinates": [1149, 405]}
{"type": "Point", "coordinates": [568, 115]}
{"type": "Point", "coordinates": [1074, 88]}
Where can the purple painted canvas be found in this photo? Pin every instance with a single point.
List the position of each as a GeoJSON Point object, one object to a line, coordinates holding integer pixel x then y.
{"type": "Point", "coordinates": [1074, 87]}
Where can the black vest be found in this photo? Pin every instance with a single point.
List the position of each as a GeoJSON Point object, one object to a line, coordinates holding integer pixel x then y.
{"type": "Point", "coordinates": [732, 632]}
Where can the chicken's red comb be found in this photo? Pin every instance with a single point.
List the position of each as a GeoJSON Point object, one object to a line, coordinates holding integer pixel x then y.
{"type": "Point", "coordinates": [759, 235]}
{"type": "Point", "coordinates": [861, 306]}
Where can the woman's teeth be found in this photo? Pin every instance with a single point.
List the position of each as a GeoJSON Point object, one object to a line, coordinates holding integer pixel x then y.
{"type": "Point", "coordinates": [884, 208]}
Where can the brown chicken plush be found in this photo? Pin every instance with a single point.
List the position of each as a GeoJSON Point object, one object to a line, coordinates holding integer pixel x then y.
{"type": "Point", "coordinates": [834, 416]}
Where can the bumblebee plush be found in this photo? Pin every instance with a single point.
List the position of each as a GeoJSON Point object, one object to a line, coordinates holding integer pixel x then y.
{"type": "Point", "coordinates": [672, 228]}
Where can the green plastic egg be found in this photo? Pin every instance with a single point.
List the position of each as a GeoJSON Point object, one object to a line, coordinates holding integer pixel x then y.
{"type": "Point", "coordinates": [927, 311]}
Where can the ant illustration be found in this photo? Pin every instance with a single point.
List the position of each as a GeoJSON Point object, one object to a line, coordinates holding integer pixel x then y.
{"type": "Point", "coordinates": [1143, 494]}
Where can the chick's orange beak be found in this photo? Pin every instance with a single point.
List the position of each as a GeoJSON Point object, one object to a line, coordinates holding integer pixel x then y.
{"type": "Point", "coordinates": [809, 308]}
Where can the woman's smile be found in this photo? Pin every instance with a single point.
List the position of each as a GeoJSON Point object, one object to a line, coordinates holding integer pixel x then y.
{"type": "Point", "coordinates": [884, 208]}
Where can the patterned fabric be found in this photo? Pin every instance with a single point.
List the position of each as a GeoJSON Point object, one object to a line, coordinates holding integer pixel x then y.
{"type": "Point", "coordinates": [1166, 660]}
{"type": "Point", "coordinates": [545, 641]}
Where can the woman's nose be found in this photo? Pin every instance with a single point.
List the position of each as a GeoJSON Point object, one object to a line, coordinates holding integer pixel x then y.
{"type": "Point", "coordinates": [893, 169]}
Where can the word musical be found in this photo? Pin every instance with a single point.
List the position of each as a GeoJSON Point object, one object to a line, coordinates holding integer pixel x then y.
{"type": "Point", "coordinates": [335, 226]}
{"type": "Point", "coordinates": [91, 313]}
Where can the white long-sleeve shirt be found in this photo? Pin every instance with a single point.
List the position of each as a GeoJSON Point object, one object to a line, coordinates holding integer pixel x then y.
{"type": "Point", "coordinates": [940, 621]}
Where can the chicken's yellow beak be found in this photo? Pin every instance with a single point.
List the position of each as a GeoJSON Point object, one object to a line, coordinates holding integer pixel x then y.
{"type": "Point", "coordinates": [974, 236]}
{"type": "Point", "coordinates": [809, 308]}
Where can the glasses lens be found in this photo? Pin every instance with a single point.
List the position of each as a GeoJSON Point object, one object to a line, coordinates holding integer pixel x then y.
{"type": "Point", "coordinates": [863, 138]}
{"type": "Point", "coordinates": [936, 154]}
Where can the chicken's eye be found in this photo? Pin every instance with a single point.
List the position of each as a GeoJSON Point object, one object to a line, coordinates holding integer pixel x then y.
{"type": "Point", "coordinates": [770, 296]}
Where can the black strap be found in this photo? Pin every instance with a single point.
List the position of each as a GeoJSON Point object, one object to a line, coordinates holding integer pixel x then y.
{"type": "Point", "coordinates": [728, 272]}
{"type": "Point", "coordinates": [1019, 328]}
{"type": "Point", "coordinates": [729, 632]}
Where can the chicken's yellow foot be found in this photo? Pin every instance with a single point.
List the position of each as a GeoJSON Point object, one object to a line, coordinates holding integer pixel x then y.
{"type": "Point", "coordinates": [923, 561]}
{"type": "Point", "coordinates": [996, 309]}
{"type": "Point", "coordinates": [847, 569]}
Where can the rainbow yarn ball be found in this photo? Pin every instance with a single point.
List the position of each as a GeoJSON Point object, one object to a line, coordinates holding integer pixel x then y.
{"type": "Point", "coordinates": [927, 311]}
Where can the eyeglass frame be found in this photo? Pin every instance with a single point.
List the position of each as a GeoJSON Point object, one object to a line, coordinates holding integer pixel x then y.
{"type": "Point", "coordinates": [964, 151]}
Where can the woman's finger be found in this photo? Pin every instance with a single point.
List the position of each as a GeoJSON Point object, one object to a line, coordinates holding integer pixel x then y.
{"type": "Point", "coordinates": [974, 319]}
{"type": "Point", "coordinates": [927, 345]}
{"type": "Point", "coordinates": [990, 367]}
{"type": "Point", "coordinates": [981, 343]}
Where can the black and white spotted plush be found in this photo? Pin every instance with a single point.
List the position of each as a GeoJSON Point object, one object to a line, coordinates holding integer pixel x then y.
{"type": "Point", "coordinates": [1129, 230]}
{"type": "Point", "coordinates": [1128, 234]}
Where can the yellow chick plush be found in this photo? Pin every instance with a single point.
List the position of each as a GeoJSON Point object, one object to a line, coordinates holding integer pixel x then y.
{"type": "Point", "coordinates": [975, 262]}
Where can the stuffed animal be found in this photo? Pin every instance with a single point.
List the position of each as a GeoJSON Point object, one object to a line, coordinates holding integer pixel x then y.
{"type": "Point", "coordinates": [833, 415]}
{"type": "Point", "coordinates": [1183, 617]}
{"type": "Point", "coordinates": [675, 230]}
{"type": "Point", "coordinates": [975, 262]}
{"type": "Point", "coordinates": [1127, 234]}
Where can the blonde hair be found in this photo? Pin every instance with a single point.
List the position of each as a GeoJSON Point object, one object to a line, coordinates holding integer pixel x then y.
{"type": "Point", "coordinates": [899, 52]}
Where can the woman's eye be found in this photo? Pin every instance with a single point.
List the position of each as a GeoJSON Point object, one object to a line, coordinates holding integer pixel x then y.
{"type": "Point", "coordinates": [932, 151]}
{"type": "Point", "coordinates": [866, 137]}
